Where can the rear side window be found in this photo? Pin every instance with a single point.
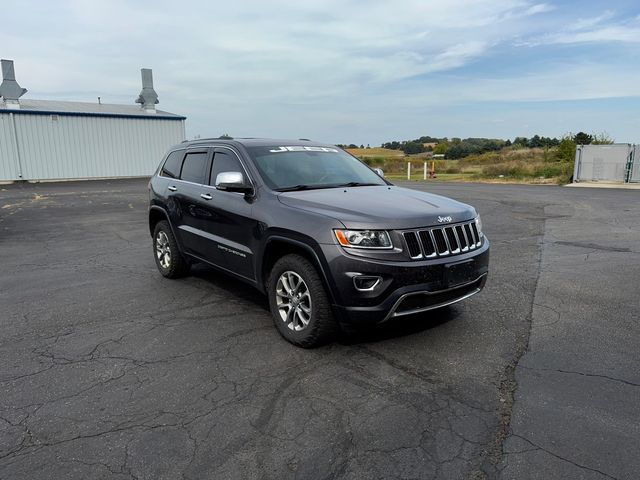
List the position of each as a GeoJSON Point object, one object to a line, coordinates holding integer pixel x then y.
{"type": "Point", "coordinates": [171, 167]}
{"type": "Point", "coordinates": [224, 162]}
{"type": "Point", "coordinates": [194, 168]}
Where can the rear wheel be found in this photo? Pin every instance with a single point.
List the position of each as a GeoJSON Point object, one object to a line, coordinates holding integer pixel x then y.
{"type": "Point", "coordinates": [299, 304]}
{"type": "Point", "coordinates": [169, 260]}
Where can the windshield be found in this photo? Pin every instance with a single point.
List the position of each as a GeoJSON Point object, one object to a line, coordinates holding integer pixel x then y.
{"type": "Point", "coordinates": [302, 167]}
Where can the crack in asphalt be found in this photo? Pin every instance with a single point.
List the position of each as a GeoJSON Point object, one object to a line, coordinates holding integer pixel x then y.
{"type": "Point", "coordinates": [583, 374]}
{"type": "Point", "coordinates": [508, 383]}
{"type": "Point", "coordinates": [415, 373]}
{"type": "Point", "coordinates": [564, 459]}
{"type": "Point", "coordinates": [594, 246]}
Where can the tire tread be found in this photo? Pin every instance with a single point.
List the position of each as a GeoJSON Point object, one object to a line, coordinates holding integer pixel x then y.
{"type": "Point", "coordinates": [323, 327]}
{"type": "Point", "coordinates": [179, 266]}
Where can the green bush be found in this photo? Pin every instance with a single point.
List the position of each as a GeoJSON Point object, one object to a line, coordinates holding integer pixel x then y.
{"type": "Point", "coordinates": [553, 170]}
{"type": "Point", "coordinates": [566, 151]}
{"type": "Point", "coordinates": [511, 169]}
{"type": "Point", "coordinates": [484, 159]}
{"type": "Point", "coordinates": [374, 161]}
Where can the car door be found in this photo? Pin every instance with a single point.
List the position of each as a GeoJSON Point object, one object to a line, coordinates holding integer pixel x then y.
{"type": "Point", "coordinates": [229, 223]}
{"type": "Point", "coordinates": [191, 215]}
{"type": "Point", "coordinates": [168, 176]}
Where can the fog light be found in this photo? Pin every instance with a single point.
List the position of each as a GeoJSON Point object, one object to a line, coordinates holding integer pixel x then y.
{"type": "Point", "coordinates": [366, 283]}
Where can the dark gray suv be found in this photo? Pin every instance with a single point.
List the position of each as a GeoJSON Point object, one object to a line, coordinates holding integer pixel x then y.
{"type": "Point", "coordinates": [326, 238]}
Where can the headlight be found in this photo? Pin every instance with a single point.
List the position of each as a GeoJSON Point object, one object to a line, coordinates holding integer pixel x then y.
{"type": "Point", "coordinates": [364, 238]}
{"type": "Point", "coordinates": [479, 225]}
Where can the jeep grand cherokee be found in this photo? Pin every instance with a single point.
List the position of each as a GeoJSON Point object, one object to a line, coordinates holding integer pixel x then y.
{"type": "Point", "coordinates": [326, 238]}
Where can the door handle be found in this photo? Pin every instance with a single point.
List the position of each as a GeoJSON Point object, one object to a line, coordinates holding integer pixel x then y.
{"type": "Point", "coordinates": [172, 188]}
{"type": "Point", "coordinates": [206, 196]}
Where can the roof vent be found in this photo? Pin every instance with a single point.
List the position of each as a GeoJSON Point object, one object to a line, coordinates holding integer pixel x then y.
{"type": "Point", "coordinates": [10, 91]}
{"type": "Point", "coordinates": [148, 96]}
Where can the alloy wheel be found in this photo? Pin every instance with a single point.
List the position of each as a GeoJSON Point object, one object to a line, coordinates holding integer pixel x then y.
{"type": "Point", "coordinates": [163, 250]}
{"type": "Point", "coordinates": [293, 300]}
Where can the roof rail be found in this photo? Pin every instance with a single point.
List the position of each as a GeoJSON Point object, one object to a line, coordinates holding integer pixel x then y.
{"type": "Point", "coordinates": [207, 139]}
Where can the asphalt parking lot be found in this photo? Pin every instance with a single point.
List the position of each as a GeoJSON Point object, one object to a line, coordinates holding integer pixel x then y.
{"type": "Point", "coordinates": [108, 370]}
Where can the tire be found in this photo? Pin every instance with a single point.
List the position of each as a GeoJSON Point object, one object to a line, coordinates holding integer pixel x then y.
{"type": "Point", "coordinates": [169, 260]}
{"type": "Point", "coordinates": [292, 303]}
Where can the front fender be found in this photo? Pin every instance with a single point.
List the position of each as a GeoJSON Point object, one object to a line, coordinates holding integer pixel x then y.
{"type": "Point", "coordinates": [309, 246]}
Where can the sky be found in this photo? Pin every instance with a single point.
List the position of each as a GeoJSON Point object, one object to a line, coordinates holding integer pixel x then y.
{"type": "Point", "coordinates": [343, 71]}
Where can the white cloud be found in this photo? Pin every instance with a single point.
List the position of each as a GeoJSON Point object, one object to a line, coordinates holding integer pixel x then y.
{"type": "Point", "coordinates": [324, 46]}
{"type": "Point", "coordinates": [596, 29]}
{"type": "Point", "coordinates": [614, 33]}
{"type": "Point", "coordinates": [539, 8]}
{"type": "Point", "coordinates": [585, 23]}
{"type": "Point", "coordinates": [253, 66]}
{"type": "Point", "coordinates": [569, 81]}
{"type": "Point", "coordinates": [457, 55]}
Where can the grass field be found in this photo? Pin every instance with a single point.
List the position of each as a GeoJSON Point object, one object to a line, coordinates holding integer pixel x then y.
{"type": "Point", "coordinates": [528, 165]}
{"type": "Point", "coordinates": [375, 152]}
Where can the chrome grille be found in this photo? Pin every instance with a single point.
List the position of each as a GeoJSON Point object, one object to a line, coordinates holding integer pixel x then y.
{"type": "Point", "coordinates": [412, 244]}
{"type": "Point", "coordinates": [443, 241]}
{"type": "Point", "coordinates": [427, 243]}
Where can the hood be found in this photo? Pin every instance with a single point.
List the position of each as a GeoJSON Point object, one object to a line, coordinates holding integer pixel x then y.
{"type": "Point", "coordinates": [383, 207]}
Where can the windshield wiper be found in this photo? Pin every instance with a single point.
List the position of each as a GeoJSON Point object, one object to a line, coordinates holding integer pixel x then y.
{"type": "Point", "coordinates": [296, 188]}
{"type": "Point", "coordinates": [359, 184]}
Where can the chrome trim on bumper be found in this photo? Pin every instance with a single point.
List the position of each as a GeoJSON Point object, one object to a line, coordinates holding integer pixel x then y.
{"type": "Point", "coordinates": [372, 287]}
{"type": "Point", "coordinates": [392, 313]}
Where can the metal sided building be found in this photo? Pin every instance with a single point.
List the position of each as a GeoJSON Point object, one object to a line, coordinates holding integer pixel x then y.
{"type": "Point", "coordinates": [56, 140]}
{"type": "Point", "coordinates": [618, 162]}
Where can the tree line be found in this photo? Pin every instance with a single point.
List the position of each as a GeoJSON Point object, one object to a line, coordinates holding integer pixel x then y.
{"type": "Point", "coordinates": [454, 148]}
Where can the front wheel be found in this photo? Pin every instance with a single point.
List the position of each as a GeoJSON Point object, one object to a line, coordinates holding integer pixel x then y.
{"type": "Point", "coordinates": [299, 303]}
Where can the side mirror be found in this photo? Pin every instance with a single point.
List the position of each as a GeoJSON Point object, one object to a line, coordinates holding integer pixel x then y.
{"type": "Point", "coordinates": [232, 182]}
{"type": "Point", "coordinates": [379, 171]}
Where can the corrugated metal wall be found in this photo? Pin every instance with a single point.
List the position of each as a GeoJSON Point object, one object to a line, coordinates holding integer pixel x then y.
{"type": "Point", "coordinates": [8, 157]}
{"type": "Point", "coordinates": [634, 176]}
{"type": "Point", "coordinates": [602, 162]}
{"type": "Point", "coordinates": [64, 147]}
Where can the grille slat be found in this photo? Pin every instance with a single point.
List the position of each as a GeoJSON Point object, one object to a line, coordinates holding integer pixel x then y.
{"type": "Point", "coordinates": [462, 238]}
{"type": "Point", "coordinates": [453, 242]}
{"type": "Point", "coordinates": [443, 241]}
{"type": "Point", "coordinates": [469, 232]}
{"type": "Point", "coordinates": [427, 243]}
{"type": "Point", "coordinates": [475, 233]}
{"type": "Point", "coordinates": [412, 244]}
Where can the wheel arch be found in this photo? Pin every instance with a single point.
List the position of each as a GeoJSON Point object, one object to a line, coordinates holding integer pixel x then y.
{"type": "Point", "coordinates": [157, 214]}
{"type": "Point", "coordinates": [278, 246]}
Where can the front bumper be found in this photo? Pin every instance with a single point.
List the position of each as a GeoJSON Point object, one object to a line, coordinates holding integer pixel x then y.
{"type": "Point", "coordinates": [405, 287]}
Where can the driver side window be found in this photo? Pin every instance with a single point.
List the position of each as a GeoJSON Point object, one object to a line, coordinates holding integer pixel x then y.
{"type": "Point", "coordinates": [224, 162]}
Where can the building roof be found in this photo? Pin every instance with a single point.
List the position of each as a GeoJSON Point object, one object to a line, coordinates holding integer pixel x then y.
{"type": "Point", "coordinates": [88, 109]}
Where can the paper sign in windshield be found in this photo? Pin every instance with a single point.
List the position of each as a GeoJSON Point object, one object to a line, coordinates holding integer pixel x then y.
{"type": "Point", "coordinates": [301, 148]}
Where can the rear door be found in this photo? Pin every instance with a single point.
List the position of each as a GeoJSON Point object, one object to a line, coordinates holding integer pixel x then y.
{"type": "Point", "coordinates": [168, 176]}
{"type": "Point", "coordinates": [190, 215]}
